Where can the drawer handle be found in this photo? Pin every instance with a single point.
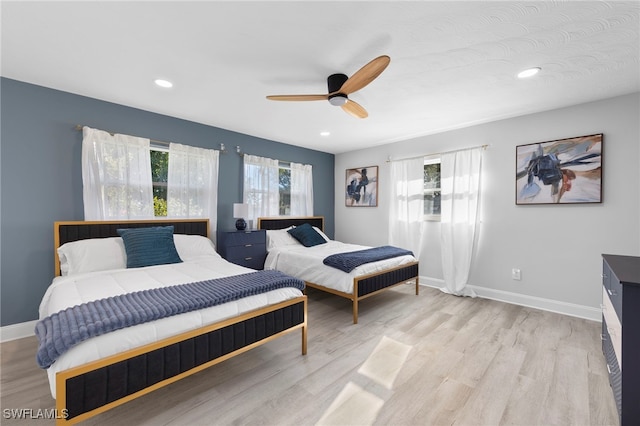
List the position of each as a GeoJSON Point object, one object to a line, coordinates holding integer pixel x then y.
{"type": "Point", "coordinates": [609, 369]}
{"type": "Point", "coordinates": [248, 245]}
{"type": "Point", "coordinates": [248, 258]}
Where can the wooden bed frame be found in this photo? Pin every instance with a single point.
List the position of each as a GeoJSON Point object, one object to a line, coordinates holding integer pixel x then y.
{"type": "Point", "coordinates": [90, 389]}
{"type": "Point", "coordinates": [364, 285]}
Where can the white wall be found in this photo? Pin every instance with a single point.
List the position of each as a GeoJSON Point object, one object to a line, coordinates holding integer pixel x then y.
{"type": "Point", "coordinates": [557, 247]}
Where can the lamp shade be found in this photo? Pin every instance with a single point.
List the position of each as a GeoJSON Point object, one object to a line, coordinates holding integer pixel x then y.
{"type": "Point", "coordinates": [240, 210]}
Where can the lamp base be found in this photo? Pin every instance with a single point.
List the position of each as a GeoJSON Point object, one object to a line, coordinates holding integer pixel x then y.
{"type": "Point", "coordinates": [241, 224]}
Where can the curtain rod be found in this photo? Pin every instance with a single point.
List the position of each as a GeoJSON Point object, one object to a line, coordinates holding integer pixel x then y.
{"type": "Point", "coordinates": [437, 153]}
{"type": "Point", "coordinates": [242, 154]}
{"type": "Point", "coordinates": [79, 127]}
{"type": "Point", "coordinates": [156, 142]}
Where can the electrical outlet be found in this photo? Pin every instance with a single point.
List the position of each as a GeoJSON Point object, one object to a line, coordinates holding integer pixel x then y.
{"type": "Point", "coordinates": [515, 274]}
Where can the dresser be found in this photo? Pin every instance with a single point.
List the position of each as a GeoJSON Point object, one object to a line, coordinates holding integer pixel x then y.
{"type": "Point", "coordinates": [621, 332]}
{"type": "Point", "coordinates": [245, 248]}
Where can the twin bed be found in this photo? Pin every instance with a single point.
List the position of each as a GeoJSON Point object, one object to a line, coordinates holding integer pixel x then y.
{"type": "Point", "coordinates": [92, 263]}
{"type": "Point", "coordinates": [306, 263]}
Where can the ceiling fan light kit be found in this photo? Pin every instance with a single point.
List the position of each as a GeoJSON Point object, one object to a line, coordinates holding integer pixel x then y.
{"type": "Point", "coordinates": [338, 99]}
{"type": "Point", "coordinates": [340, 86]}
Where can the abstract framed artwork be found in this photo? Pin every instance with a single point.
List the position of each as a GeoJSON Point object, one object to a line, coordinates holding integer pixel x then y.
{"type": "Point", "coordinates": [563, 171]}
{"type": "Point", "coordinates": [361, 187]}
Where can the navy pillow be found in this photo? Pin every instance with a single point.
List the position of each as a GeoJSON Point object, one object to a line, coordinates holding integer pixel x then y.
{"type": "Point", "coordinates": [149, 246]}
{"type": "Point", "coordinates": [306, 235]}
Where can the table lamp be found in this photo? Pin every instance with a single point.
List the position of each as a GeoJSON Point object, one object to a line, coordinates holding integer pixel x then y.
{"type": "Point", "coordinates": [240, 211]}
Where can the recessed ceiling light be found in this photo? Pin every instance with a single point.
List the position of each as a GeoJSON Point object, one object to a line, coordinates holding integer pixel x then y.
{"type": "Point", "coordinates": [325, 133]}
{"type": "Point", "coordinates": [529, 72]}
{"type": "Point", "coordinates": [163, 83]}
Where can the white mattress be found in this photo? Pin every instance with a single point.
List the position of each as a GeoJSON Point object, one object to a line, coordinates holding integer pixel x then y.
{"type": "Point", "coordinates": [72, 290]}
{"type": "Point", "coordinates": [306, 263]}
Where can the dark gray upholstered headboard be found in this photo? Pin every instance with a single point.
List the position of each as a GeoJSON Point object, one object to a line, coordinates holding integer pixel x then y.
{"type": "Point", "coordinates": [285, 222]}
{"type": "Point", "coordinates": [65, 232]}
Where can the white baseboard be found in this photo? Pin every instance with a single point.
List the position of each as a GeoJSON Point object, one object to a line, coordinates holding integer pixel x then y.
{"type": "Point", "coordinates": [17, 331]}
{"type": "Point", "coordinates": [26, 329]}
{"type": "Point", "coordinates": [565, 308]}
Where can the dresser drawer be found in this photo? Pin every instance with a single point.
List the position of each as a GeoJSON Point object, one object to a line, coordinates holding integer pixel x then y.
{"type": "Point", "coordinates": [613, 288]}
{"type": "Point", "coordinates": [613, 326]}
{"type": "Point", "coordinates": [615, 373]}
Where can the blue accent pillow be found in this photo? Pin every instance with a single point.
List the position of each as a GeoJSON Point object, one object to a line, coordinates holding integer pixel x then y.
{"type": "Point", "coordinates": [149, 246]}
{"type": "Point", "coordinates": [306, 235]}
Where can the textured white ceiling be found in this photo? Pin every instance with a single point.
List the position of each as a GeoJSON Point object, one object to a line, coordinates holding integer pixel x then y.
{"type": "Point", "coordinates": [453, 64]}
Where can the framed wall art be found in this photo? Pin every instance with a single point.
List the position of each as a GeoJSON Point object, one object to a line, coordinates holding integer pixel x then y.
{"type": "Point", "coordinates": [564, 171]}
{"type": "Point", "coordinates": [361, 187]}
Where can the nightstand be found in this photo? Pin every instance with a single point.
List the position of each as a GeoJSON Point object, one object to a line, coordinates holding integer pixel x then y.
{"type": "Point", "coordinates": [245, 248]}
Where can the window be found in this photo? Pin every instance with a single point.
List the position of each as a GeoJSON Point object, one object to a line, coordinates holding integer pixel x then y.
{"type": "Point", "coordinates": [432, 188]}
{"type": "Point", "coordinates": [159, 172]}
{"type": "Point", "coordinates": [277, 188]}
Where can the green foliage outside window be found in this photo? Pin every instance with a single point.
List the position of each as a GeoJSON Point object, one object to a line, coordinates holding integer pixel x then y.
{"type": "Point", "coordinates": [159, 172]}
{"type": "Point", "coordinates": [284, 184]}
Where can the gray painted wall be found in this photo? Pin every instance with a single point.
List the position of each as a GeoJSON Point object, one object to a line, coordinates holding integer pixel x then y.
{"type": "Point", "coordinates": [557, 248]}
{"type": "Point", "coordinates": [42, 181]}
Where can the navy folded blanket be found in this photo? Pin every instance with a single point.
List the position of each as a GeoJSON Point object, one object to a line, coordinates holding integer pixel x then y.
{"type": "Point", "coordinates": [348, 261]}
{"type": "Point", "coordinates": [59, 332]}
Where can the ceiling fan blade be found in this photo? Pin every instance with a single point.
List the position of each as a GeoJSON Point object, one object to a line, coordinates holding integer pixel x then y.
{"type": "Point", "coordinates": [355, 109]}
{"type": "Point", "coordinates": [298, 97]}
{"type": "Point", "coordinates": [365, 75]}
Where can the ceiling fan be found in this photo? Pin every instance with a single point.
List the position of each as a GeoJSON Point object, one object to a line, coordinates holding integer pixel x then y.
{"type": "Point", "coordinates": [340, 87]}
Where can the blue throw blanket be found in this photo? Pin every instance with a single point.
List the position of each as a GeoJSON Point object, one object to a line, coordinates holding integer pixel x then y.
{"type": "Point", "coordinates": [347, 262]}
{"type": "Point", "coordinates": [65, 329]}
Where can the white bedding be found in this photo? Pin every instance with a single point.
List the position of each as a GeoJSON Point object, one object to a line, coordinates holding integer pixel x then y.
{"type": "Point", "coordinates": [67, 291]}
{"type": "Point", "coordinates": [306, 263]}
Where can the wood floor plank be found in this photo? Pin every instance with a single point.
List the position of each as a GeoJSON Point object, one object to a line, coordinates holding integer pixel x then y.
{"type": "Point", "coordinates": [467, 361]}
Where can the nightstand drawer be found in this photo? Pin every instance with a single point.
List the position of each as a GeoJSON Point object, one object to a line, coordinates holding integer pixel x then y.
{"type": "Point", "coordinates": [248, 251]}
{"type": "Point", "coordinates": [244, 238]}
{"type": "Point", "coordinates": [249, 261]}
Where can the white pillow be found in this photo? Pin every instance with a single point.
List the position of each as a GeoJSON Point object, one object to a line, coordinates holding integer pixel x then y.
{"type": "Point", "coordinates": [279, 238]}
{"type": "Point", "coordinates": [95, 254]}
{"type": "Point", "coordinates": [322, 234]}
{"type": "Point", "coordinates": [190, 247]}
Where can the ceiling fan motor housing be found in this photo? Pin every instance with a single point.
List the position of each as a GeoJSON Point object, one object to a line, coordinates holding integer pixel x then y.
{"type": "Point", "coordinates": [334, 83]}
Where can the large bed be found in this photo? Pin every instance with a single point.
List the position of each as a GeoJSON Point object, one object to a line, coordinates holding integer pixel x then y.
{"type": "Point", "coordinates": [105, 371]}
{"type": "Point", "coordinates": [307, 264]}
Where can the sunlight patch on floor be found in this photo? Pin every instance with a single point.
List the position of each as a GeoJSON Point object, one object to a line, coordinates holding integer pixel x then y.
{"type": "Point", "coordinates": [353, 406]}
{"type": "Point", "coordinates": [357, 406]}
{"type": "Point", "coordinates": [384, 364]}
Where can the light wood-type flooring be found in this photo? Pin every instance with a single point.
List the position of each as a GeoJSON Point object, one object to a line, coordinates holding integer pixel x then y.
{"type": "Point", "coordinates": [432, 359]}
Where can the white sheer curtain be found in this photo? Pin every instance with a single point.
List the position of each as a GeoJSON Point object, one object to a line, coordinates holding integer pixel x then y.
{"type": "Point", "coordinates": [116, 176]}
{"type": "Point", "coordinates": [301, 190]}
{"type": "Point", "coordinates": [406, 206]}
{"type": "Point", "coordinates": [192, 183]}
{"type": "Point", "coordinates": [261, 190]}
{"type": "Point", "coordinates": [460, 185]}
